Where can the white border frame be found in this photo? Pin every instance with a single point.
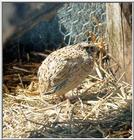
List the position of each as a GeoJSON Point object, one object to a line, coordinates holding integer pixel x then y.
{"type": "Point", "coordinates": [1, 80]}
{"type": "Point", "coordinates": [133, 70]}
{"type": "Point", "coordinates": [1, 64]}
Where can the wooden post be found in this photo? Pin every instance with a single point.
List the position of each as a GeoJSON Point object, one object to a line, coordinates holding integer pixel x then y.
{"type": "Point", "coordinates": [119, 31]}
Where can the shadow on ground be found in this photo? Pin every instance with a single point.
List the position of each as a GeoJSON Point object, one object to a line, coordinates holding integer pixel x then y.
{"type": "Point", "coordinates": [113, 126]}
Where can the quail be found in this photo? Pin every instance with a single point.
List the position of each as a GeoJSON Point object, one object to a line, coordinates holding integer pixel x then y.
{"type": "Point", "coordinates": [65, 68]}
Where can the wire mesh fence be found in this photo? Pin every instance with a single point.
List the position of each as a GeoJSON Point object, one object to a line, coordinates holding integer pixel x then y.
{"type": "Point", "coordinates": [79, 18]}
{"type": "Point", "coordinates": [52, 26]}
{"type": "Point", "coordinates": [70, 25]}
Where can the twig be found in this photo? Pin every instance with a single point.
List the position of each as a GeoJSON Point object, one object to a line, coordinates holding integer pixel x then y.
{"type": "Point", "coordinates": [95, 77]}
{"type": "Point", "coordinates": [114, 59]}
{"type": "Point", "coordinates": [113, 65]}
{"type": "Point", "coordinates": [49, 51]}
{"type": "Point", "coordinates": [51, 107]}
{"type": "Point", "coordinates": [21, 69]}
{"type": "Point", "coordinates": [20, 80]}
{"type": "Point", "coordinates": [39, 54]}
{"type": "Point", "coordinates": [82, 106]}
{"type": "Point", "coordinates": [120, 77]}
{"type": "Point", "coordinates": [101, 131]}
{"type": "Point", "coordinates": [5, 88]}
{"type": "Point", "coordinates": [105, 72]}
{"type": "Point", "coordinates": [98, 71]}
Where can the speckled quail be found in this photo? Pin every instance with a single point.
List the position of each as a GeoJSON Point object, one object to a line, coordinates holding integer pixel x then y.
{"type": "Point", "coordinates": [65, 68]}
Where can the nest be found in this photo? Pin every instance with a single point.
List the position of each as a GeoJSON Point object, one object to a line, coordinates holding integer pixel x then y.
{"type": "Point", "coordinates": [96, 109]}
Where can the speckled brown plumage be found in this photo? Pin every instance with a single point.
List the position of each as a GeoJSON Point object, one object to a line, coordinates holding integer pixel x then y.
{"type": "Point", "coordinates": [64, 69]}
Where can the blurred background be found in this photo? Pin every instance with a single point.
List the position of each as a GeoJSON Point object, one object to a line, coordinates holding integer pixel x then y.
{"type": "Point", "coordinates": [40, 26]}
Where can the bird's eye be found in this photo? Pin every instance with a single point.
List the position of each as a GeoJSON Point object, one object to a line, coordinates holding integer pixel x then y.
{"type": "Point", "coordinates": [90, 49]}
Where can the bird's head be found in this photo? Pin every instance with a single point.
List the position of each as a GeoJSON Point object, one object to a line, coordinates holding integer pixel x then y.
{"type": "Point", "coordinates": [91, 49]}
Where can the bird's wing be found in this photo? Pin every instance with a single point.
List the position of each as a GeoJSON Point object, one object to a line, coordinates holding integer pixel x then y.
{"type": "Point", "coordinates": [62, 70]}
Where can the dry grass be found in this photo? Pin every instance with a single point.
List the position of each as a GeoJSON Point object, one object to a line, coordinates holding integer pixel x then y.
{"type": "Point", "coordinates": [101, 108]}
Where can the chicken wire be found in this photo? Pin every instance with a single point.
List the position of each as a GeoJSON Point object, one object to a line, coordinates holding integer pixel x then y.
{"type": "Point", "coordinates": [68, 26]}
{"type": "Point", "coordinates": [78, 18]}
